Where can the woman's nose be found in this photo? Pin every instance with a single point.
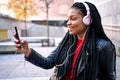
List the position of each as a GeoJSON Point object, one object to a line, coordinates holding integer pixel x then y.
{"type": "Point", "coordinates": [68, 22]}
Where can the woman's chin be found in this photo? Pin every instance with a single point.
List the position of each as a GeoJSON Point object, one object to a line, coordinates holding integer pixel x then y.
{"type": "Point", "coordinates": [71, 33]}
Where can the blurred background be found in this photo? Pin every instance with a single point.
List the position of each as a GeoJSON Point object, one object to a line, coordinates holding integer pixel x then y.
{"type": "Point", "coordinates": [43, 24]}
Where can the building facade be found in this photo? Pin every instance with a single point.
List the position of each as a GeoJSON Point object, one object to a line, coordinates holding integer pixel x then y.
{"type": "Point", "coordinates": [57, 15]}
{"type": "Point", "coordinates": [110, 13]}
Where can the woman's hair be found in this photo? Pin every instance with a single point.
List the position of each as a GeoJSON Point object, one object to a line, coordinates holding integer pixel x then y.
{"type": "Point", "coordinates": [94, 31]}
{"type": "Point", "coordinates": [95, 24]}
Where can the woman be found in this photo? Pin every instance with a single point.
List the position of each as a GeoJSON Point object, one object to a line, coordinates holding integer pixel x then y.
{"type": "Point", "coordinates": [85, 53]}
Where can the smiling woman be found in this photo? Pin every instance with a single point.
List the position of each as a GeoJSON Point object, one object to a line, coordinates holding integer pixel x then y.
{"type": "Point", "coordinates": [85, 53]}
{"type": "Point", "coordinates": [75, 23]}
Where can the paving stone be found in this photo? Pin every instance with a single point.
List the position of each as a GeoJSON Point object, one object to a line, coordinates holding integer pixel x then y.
{"type": "Point", "coordinates": [14, 67]}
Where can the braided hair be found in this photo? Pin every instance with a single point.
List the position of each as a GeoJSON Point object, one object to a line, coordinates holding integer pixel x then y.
{"type": "Point", "coordinates": [94, 31]}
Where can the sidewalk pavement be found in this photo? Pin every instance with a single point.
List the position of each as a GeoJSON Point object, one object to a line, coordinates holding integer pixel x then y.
{"type": "Point", "coordinates": [14, 67]}
{"type": "Point", "coordinates": [35, 78]}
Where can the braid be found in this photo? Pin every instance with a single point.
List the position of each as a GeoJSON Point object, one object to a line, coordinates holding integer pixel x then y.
{"type": "Point", "coordinates": [80, 7]}
{"type": "Point", "coordinates": [95, 30]}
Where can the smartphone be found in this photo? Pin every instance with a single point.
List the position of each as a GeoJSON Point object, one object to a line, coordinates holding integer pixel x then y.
{"type": "Point", "coordinates": [17, 35]}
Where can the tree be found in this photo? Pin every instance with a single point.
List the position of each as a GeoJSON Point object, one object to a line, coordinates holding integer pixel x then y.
{"type": "Point", "coordinates": [22, 9]}
{"type": "Point", "coordinates": [47, 4]}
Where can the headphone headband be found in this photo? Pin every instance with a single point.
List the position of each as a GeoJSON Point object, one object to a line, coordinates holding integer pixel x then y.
{"type": "Point", "coordinates": [86, 19]}
{"type": "Point", "coordinates": [87, 8]}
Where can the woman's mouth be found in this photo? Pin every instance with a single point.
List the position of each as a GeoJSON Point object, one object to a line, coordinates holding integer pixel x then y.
{"type": "Point", "coordinates": [70, 28]}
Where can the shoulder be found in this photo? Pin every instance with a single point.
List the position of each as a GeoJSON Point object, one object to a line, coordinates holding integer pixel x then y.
{"type": "Point", "coordinates": [105, 49]}
{"type": "Point", "coordinates": [102, 43]}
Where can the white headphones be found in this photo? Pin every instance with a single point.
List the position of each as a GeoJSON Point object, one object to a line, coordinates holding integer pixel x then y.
{"type": "Point", "coordinates": [86, 19]}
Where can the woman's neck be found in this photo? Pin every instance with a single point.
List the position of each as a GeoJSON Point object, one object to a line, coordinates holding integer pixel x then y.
{"type": "Point", "coordinates": [80, 37]}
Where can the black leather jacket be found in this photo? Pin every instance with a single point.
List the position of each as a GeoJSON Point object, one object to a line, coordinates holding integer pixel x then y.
{"type": "Point", "coordinates": [105, 60]}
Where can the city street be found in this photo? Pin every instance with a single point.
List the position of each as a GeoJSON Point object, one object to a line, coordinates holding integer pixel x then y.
{"type": "Point", "coordinates": [44, 23]}
{"type": "Point", "coordinates": [14, 67]}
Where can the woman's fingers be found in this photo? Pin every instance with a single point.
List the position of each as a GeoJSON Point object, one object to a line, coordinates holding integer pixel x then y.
{"type": "Point", "coordinates": [16, 41]}
{"type": "Point", "coordinates": [21, 46]}
{"type": "Point", "coordinates": [24, 44]}
{"type": "Point", "coordinates": [18, 50]}
{"type": "Point", "coordinates": [25, 49]}
{"type": "Point", "coordinates": [17, 45]}
{"type": "Point", "coordinates": [15, 36]}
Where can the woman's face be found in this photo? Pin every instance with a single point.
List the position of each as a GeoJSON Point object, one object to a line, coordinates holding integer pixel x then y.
{"type": "Point", "coordinates": [75, 23]}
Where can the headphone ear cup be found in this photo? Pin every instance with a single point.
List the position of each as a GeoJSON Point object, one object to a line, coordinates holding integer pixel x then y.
{"type": "Point", "coordinates": [86, 20]}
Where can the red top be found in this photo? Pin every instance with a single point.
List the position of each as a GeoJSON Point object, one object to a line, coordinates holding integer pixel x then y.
{"type": "Point", "coordinates": [76, 53]}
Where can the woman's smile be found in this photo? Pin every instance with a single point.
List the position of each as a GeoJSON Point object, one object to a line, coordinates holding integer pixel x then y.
{"type": "Point", "coordinates": [71, 28]}
{"type": "Point", "coordinates": [75, 24]}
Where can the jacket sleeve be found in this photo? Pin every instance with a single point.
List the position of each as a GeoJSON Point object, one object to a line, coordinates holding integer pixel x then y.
{"type": "Point", "coordinates": [108, 62]}
{"type": "Point", "coordinates": [40, 61]}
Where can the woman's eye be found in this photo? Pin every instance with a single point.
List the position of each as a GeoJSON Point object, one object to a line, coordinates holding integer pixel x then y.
{"type": "Point", "coordinates": [73, 18]}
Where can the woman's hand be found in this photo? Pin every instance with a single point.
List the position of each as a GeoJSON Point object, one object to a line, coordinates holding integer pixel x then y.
{"type": "Point", "coordinates": [22, 46]}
